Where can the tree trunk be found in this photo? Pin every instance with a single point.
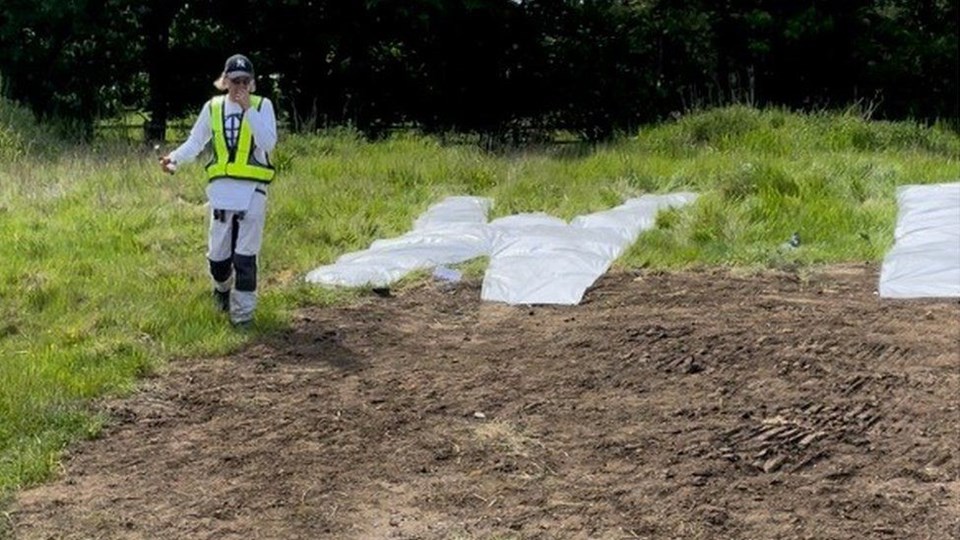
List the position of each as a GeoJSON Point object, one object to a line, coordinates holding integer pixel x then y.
{"type": "Point", "coordinates": [159, 18]}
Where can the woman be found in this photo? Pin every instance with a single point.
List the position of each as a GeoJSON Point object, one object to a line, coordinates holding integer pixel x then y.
{"type": "Point", "coordinates": [243, 130]}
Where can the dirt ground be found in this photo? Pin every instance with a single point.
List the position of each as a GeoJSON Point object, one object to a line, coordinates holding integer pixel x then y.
{"type": "Point", "coordinates": [667, 405]}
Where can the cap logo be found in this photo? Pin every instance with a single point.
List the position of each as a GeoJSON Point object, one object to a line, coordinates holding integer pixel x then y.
{"type": "Point", "coordinates": [241, 63]}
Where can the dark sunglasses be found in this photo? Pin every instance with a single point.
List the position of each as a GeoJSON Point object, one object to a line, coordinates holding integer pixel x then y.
{"type": "Point", "coordinates": [241, 80]}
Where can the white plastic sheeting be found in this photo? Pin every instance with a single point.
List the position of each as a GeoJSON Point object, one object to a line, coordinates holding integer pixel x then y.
{"type": "Point", "coordinates": [534, 258]}
{"type": "Point", "coordinates": [452, 231]}
{"type": "Point", "coordinates": [538, 259]}
{"type": "Point", "coordinates": [925, 258]}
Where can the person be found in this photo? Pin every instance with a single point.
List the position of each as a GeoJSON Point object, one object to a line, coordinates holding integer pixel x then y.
{"type": "Point", "coordinates": [243, 131]}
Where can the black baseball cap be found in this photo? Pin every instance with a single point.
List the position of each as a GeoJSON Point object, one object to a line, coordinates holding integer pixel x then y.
{"type": "Point", "coordinates": [238, 65]}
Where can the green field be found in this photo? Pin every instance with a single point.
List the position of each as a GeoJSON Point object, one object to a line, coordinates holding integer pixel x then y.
{"type": "Point", "coordinates": [102, 260]}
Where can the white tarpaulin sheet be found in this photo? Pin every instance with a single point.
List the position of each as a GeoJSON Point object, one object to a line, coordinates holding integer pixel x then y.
{"type": "Point", "coordinates": [534, 258]}
{"type": "Point", "coordinates": [925, 258]}
{"type": "Point", "coordinates": [538, 259]}
{"type": "Point", "coordinates": [453, 231]}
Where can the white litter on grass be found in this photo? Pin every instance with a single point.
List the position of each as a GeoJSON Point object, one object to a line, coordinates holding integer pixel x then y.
{"type": "Point", "coordinates": [534, 258]}
{"type": "Point", "coordinates": [925, 258]}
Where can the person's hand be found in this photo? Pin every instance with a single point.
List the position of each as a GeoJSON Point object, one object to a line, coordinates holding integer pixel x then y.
{"type": "Point", "coordinates": [241, 96]}
{"type": "Point", "coordinates": [168, 165]}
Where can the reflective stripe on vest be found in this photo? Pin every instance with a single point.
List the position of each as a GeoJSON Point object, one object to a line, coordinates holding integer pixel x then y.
{"type": "Point", "coordinates": [240, 164]}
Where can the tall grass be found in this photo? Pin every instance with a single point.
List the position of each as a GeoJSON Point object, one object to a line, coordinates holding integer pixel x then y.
{"type": "Point", "coordinates": [103, 277]}
{"type": "Point", "coordinates": [766, 175]}
{"type": "Point", "coordinates": [21, 135]}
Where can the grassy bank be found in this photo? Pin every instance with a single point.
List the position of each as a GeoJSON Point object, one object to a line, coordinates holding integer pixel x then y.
{"type": "Point", "coordinates": [103, 277]}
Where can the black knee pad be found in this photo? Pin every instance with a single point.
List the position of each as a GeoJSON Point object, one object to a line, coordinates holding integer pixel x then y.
{"type": "Point", "coordinates": [246, 266]}
{"type": "Point", "coordinates": [221, 270]}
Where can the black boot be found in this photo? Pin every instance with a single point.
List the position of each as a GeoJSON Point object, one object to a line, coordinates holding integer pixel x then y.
{"type": "Point", "coordinates": [222, 300]}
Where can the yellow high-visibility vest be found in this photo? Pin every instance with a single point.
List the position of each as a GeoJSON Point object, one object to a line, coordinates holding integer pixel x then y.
{"type": "Point", "coordinates": [240, 163]}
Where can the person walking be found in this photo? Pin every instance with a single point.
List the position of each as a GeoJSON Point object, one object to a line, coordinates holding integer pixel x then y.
{"type": "Point", "coordinates": [242, 128]}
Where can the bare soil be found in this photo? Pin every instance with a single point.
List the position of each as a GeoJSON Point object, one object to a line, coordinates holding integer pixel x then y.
{"type": "Point", "coordinates": [667, 405]}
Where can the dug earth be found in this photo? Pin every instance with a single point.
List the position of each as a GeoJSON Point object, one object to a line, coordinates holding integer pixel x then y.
{"type": "Point", "coordinates": [700, 404]}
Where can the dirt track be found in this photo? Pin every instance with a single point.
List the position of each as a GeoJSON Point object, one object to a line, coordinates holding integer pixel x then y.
{"type": "Point", "coordinates": [667, 405]}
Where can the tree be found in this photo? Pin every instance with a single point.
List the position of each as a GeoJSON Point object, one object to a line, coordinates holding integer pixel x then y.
{"type": "Point", "coordinates": [66, 60]}
{"type": "Point", "coordinates": [594, 67]}
{"type": "Point", "coordinates": [158, 17]}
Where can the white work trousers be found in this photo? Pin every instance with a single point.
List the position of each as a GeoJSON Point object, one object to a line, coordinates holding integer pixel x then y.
{"type": "Point", "coordinates": [224, 242]}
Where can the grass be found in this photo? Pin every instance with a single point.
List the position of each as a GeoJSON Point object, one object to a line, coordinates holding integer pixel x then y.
{"type": "Point", "coordinates": [20, 135]}
{"type": "Point", "coordinates": [102, 270]}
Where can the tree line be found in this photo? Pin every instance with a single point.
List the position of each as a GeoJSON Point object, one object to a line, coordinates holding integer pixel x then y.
{"type": "Point", "coordinates": [508, 68]}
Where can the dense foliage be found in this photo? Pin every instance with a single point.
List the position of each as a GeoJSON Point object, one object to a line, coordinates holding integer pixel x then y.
{"type": "Point", "coordinates": [501, 67]}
